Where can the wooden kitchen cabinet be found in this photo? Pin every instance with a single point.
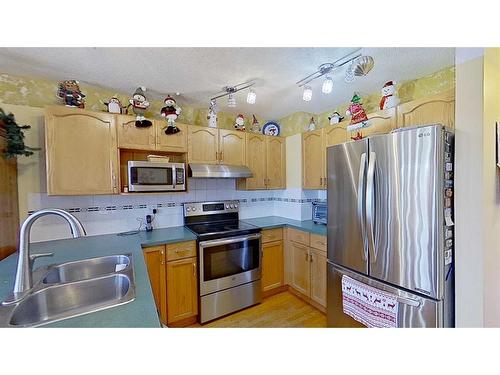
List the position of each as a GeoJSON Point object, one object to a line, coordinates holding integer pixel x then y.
{"type": "Point", "coordinates": [154, 257]}
{"type": "Point", "coordinates": [82, 153]}
{"type": "Point", "coordinates": [256, 161]}
{"type": "Point", "coordinates": [172, 142]}
{"type": "Point", "coordinates": [313, 160]}
{"type": "Point", "coordinates": [318, 276]}
{"type": "Point", "coordinates": [272, 265]}
{"type": "Point", "coordinates": [203, 144]}
{"type": "Point", "coordinates": [182, 290]}
{"type": "Point", "coordinates": [132, 137]}
{"type": "Point", "coordinates": [300, 269]}
{"type": "Point", "coordinates": [231, 147]}
{"type": "Point", "coordinates": [439, 109]}
{"type": "Point", "coordinates": [275, 163]}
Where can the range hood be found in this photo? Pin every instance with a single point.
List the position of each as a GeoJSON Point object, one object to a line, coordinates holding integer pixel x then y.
{"type": "Point", "coordinates": [218, 171]}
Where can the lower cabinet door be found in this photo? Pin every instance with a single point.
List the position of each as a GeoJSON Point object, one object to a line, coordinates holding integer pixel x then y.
{"type": "Point", "coordinates": [318, 276]}
{"type": "Point", "coordinates": [155, 261]}
{"type": "Point", "coordinates": [300, 270]}
{"type": "Point", "coordinates": [272, 265]}
{"type": "Point", "coordinates": [182, 286]}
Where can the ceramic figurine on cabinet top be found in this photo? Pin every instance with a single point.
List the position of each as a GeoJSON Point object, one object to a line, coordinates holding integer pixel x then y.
{"type": "Point", "coordinates": [335, 118]}
{"type": "Point", "coordinates": [271, 128]}
{"type": "Point", "coordinates": [389, 96]}
{"type": "Point", "coordinates": [70, 94]}
{"type": "Point", "coordinates": [255, 125]}
{"type": "Point", "coordinates": [240, 122]}
{"type": "Point", "coordinates": [115, 106]}
{"type": "Point", "coordinates": [212, 114]}
{"type": "Point", "coordinates": [358, 115]}
{"type": "Point", "coordinates": [312, 125]}
{"type": "Point", "coordinates": [139, 106]}
{"type": "Point", "coordinates": [171, 111]}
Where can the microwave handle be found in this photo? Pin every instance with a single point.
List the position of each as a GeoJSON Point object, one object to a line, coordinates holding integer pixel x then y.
{"type": "Point", "coordinates": [174, 177]}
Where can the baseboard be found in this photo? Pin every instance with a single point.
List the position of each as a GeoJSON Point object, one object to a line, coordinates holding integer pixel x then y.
{"type": "Point", "coordinates": [272, 292]}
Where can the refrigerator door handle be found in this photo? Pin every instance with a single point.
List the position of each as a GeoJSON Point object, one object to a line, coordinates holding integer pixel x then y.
{"type": "Point", "coordinates": [408, 301]}
{"type": "Point", "coordinates": [370, 205]}
{"type": "Point", "coordinates": [361, 196]}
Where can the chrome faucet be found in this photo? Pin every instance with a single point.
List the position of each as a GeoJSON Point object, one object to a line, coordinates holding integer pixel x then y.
{"type": "Point", "coordinates": [24, 277]}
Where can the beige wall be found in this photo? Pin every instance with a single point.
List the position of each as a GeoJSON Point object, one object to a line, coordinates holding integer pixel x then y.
{"type": "Point", "coordinates": [294, 161]}
{"type": "Point", "coordinates": [491, 198]}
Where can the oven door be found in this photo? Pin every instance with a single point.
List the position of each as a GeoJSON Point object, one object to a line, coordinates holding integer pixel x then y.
{"type": "Point", "coordinates": [229, 262]}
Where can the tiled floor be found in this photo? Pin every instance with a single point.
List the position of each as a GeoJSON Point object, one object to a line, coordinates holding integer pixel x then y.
{"type": "Point", "coordinates": [280, 310]}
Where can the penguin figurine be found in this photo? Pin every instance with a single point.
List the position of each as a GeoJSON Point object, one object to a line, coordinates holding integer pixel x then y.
{"type": "Point", "coordinates": [335, 118]}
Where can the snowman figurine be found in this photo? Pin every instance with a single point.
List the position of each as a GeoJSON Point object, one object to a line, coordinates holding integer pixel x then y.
{"type": "Point", "coordinates": [389, 97]}
{"type": "Point", "coordinates": [171, 111]}
{"type": "Point", "coordinates": [240, 123]}
{"type": "Point", "coordinates": [139, 106]}
{"type": "Point", "coordinates": [335, 118]}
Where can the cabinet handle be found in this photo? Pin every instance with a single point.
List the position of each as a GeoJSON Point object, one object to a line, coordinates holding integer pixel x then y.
{"type": "Point", "coordinates": [216, 155]}
{"type": "Point", "coordinates": [307, 257]}
{"type": "Point", "coordinates": [221, 156]}
{"type": "Point", "coordinates": [310, 258]}
{"type": "Point", "coordinates": [321, 181]}
{"type": "Point", "coordinates": [194, 269]}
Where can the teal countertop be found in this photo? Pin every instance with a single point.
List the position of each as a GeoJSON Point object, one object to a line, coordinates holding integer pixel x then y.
{"type": "Point", "coordinates": [142, 311]}
{"type": "Point", "coordinates": [277, 221]}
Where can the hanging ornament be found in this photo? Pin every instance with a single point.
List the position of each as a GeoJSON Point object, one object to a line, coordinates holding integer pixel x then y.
{"type": "Point", "coordinates": [335, 118]}
{"type": "Point", "coordinates": [358, 115]}
{"type": "Point", "coordinates": [212, 114]}
{"type": "Point", "coordinates": [139, 106]}
{"type": "Point", "coordinates": [240, 122]}
{"type": "Point", "coordinates": [389, 96]}
{"type": "Point", "coordinates": [171, 111]}
{"type": "Point", "coordinates": [312, 125]}
{"type": "Point", "coordinates": [70, 94]}
{"type": "Point", "coordinates": [255, 125]}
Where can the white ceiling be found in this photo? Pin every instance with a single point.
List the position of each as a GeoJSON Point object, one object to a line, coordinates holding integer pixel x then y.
{"type": "Point", "coordinates": [198, 73]}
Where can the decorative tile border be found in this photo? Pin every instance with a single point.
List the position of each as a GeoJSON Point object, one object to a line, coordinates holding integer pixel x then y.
{"type": "Point", "coordinates": [175, 204]}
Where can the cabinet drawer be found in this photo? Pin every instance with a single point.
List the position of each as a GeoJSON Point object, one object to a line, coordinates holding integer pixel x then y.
{"type": "Point", "coordinates": [298, 236]}
{"type": "Point", "coordinates": [181, 250]}
{"type": "Point", "coordinates": [270, 235]}
{"type": "Point", "coordinates": [318, 241]}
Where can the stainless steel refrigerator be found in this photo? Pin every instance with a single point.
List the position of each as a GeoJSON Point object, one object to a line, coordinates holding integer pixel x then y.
{"type": "Point", "coordinates": [390, 223]}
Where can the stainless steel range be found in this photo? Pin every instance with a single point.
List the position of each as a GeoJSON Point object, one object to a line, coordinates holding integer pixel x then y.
{"type": "Point", "coordinates": [229, 257]}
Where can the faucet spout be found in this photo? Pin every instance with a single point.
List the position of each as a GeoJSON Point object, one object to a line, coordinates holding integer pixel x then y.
{"type": "Point", "coordinates": [24, 279]}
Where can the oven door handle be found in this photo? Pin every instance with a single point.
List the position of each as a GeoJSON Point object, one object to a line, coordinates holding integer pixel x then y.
{"type": "Point", "coordinates": [174, 176]}
{"type": "Point", "coordinates": [226, 241]}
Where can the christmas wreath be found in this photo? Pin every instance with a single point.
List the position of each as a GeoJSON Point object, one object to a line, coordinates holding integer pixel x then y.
{"type": "Point", "coordinates": [14, 135]}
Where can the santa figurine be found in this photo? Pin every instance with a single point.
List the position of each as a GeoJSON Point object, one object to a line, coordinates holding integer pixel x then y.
{"type": "Point", "coordinates": [171, 111]}
{"type": "Point", "coordinates": [240, 123]}
{"type": "Point", "coordinates": [357, 113]}
{"type": "Point", "coordinates": [389, 97]}
{"type": "Point", "coordinates": [139, 106]}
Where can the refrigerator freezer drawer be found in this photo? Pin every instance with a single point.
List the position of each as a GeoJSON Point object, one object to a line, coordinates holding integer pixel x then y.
{"type": "Point", "coordinates": [414, 311]}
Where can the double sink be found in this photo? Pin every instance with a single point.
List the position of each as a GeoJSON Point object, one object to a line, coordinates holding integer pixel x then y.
{"type": "Point", "coordinates": [72, 289]}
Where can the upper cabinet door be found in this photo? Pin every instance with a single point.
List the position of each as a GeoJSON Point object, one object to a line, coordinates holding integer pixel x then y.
{"type": "Point", "coordinates": [132, 137]}
{"type": "Point", "coordinates": [171, 142]}
{"type": "Point", "coordinates": [335, 134]}
{"type": "Point", "coordinates": [231, 147]}
{"type": "Point", "coordinates": [381, 122]}
{"type": "Point", "coordinates": [256, 161]}
{"type": "Point", "coordinates": [203, 144]}
{"type": "Point", "coordinates": [313, 162]}
{"type": "Point", "coordinates": [82, 156]}
{"type": "Point", "coordinates": [439, 109]}
{"type": "Point", "coordinates": [276, 163]}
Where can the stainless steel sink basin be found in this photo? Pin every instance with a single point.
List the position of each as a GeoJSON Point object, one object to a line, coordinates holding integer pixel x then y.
{"type": "Point", "coordinates": [85, 269]}
{"type": "Point", "coordinates": [72, 289]}
{"type": "Point", "coordinates": [73, 299]}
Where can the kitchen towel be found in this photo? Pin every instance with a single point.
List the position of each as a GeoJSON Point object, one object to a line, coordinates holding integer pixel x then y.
{"type": "Point", "coordinates": [368, 305]}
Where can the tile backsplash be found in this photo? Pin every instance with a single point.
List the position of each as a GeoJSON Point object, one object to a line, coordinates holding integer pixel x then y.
{"type": "Point", "coordinates": [101, 214]}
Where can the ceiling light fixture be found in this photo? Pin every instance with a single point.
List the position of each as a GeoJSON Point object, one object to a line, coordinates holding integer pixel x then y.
{"type": "Point", "coordinates": [251, 97]}
{"type": "Point", "coordinates": [231, 90]}
{"type": "Point", "coordinates": [327, 86]}
{"type": "Point", "coordinates": [307, 94]}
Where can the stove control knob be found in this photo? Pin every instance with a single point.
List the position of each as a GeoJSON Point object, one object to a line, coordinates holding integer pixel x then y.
{"type": "Point", "coordinates": [227, 206]}
{"type": "Point", "coordinates": [194, 209]}
{"type": "Point", "coordinates": [235, 206]}
{"type": "Point", "coordinates": [231, 206]}
{"type": "Point", "coordinates": [188, 209]}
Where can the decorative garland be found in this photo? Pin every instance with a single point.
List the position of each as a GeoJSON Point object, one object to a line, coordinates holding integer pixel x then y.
{"type": "Point", "coordinates": [15, 137]}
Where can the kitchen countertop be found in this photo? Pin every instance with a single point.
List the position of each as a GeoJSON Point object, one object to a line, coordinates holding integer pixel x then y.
{"type": "Point", "coordinates": [142, 311]}
{"type": "Point", "coordinates": [277, 221]}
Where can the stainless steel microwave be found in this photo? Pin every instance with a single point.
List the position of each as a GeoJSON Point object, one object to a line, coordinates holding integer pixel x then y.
{"type": "Point", "coordinates": [153, 176]}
